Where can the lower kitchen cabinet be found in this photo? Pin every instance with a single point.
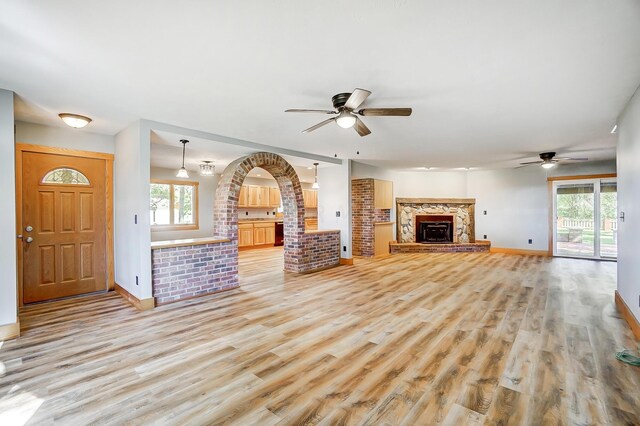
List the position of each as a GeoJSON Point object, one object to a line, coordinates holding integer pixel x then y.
{"type": "Point", "coordinates": [245, 235]}
{"type": "Point", "coordinates": [256, 234]}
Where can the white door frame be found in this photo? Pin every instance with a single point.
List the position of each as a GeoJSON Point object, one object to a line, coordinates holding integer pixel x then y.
{"type": "Point", "coordinates": [596, 182]}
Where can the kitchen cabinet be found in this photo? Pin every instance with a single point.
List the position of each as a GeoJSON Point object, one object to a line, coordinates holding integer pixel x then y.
{"type": "Point", "coordinates": [382, 194]}
{"type": "Point", "coordinates": [263, 198]}
{"type": "Point", "coordinates": [311, 224]}
{"type": "Point", "coordinates": [258, 196]}
{"type": "Point", "coordinates": [256, 234]}
{"type": "Point", "coordinates": [270, 235]}
{"type": "Point", "coordinates": [254, 196]}
{"type": "Point", "coordinates": [383, 234]}
{"type": "Point", "coordinates": [243, 200]}
{"type": "Point", "coordinates": [274, 197]}
{"type": "Point", "coordinates": [310, 198]}
{"type": "Point", "coordinates": [245, 235]}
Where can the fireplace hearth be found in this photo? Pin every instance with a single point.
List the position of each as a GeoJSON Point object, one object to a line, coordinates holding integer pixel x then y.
{"type": "Point", "coordinates": [435, 232]}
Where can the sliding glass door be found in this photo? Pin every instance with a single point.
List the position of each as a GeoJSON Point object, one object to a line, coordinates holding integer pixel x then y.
{"type": "Point", "coordinates": [585, 218]}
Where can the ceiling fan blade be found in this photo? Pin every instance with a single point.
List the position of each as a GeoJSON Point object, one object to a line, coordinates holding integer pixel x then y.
{"type": "Point", "coordinates": [357, 98]}
{"type": "Point", "coordinates": [361, 128]}
{"type": "Point", "coordinates": [403, 112]}
{"type": "Point", "coordinates": [320, 124]}
{"type": "Point", "coordinates": [572, 159]}
{"type": "Point", "coordinates": [322, 111]}
{"type": "Point", "coordinates": [528, 163]}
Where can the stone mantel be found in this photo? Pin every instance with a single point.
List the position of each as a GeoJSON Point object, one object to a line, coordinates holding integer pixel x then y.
{"type": "Point", "coordinates": [435, 200]}
{"type": "Point", "coordinates": [462, 210]}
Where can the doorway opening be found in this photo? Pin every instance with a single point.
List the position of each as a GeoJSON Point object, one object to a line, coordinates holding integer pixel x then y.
{"type": "Point", "coordinates": [585, 213]}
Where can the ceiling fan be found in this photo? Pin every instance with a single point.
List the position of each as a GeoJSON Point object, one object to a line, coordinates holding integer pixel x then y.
{"type": "Point", "coordinates": [549, 159]}
{"type": "Point", "coordinates": [346, 110]}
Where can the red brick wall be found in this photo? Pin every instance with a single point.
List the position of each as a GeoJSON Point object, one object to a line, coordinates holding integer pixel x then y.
{"type": "Point", "coordinates": [183, 272]}
{"type": "Point", "coordinates": [363, 216]}
{"type": "Point", "coordinates": [321, 250]}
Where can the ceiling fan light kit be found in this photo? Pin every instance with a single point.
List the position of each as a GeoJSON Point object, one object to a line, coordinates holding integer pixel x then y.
{"type": "Point", "coordinates": [346, 119]}
{"type": "Point", "coordinates": [346, 108]}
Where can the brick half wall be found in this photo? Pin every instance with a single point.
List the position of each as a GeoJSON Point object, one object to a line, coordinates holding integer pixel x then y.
{"type": "Point", "coordinates": [321, 251]}
{"type": "Point", "coordinates": [188, 271]}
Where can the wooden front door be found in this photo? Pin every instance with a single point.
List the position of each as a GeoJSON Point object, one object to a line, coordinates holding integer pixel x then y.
{"type": "Point", "coordinates": [64, 219]}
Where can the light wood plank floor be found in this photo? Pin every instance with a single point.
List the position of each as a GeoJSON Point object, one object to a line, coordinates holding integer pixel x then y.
{"type": "Point", "coordinates": [410, 339]}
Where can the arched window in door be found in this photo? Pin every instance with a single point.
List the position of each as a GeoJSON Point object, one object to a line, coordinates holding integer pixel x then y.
{"type": "Point", "coordinates": [65, 176]}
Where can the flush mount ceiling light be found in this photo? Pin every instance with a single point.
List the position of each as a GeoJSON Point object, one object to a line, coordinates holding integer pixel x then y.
{"type": "Point", "coordinates": [74, 120]}
{"type": "Point", "coordinates": [207, 169]}
{"type": "Point", "coordinates": [548, 164]}
{"type": "Point", "coordinates": [315, 177]}
{"type": "Point", "coordinates": [182, 173]}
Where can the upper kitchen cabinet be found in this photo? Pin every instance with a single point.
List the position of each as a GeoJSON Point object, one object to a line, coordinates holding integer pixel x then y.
{"type": "Point", "coordinates": [382, 194]}
{"type": "Point", "coordinates": [274, 197]}
{"type": "Point", "coordinates": [310, 198]}
{"type": "Point", "coordinates": [244, 197]}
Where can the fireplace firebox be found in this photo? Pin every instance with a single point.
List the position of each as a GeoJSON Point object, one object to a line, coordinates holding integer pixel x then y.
{"type": "Point", "coordinates": [435, 232]}
{"type": "Point", "coordinates": [434, 229]}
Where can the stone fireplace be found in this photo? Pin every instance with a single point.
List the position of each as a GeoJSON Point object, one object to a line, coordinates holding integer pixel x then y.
{"type": "Point", "coordinates": [411, 212]}
{"type": "Point", "coordinates": [436, 225]}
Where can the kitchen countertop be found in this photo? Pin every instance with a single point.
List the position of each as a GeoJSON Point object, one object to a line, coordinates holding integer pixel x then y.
{"type": "Point", "coordinates": [260, 219]}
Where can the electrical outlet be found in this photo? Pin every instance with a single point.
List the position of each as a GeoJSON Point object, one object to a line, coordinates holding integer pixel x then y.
{"type": "Point", "coordinates": [530, 241]}
{"type": "Point", "coordinates": [135, 219]}
{"type": "Point", "coordinates": [337, 214]}
{"type": "Point", "coordinates": [344, 248]}
{"type": "Point", "coordinates": [485, 236]}
{"type": "Point", "coordinates": [246, 213]}
{"type": "Point", "coordinates": [137, 280]}
{"type": "Point", "coordinates": [485, 212]}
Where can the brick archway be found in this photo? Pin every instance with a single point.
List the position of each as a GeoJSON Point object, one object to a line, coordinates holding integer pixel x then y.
{"type": "Point", "coordinates": [228, 193]}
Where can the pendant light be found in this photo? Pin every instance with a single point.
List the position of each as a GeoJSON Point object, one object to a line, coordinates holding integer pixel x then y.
{"type": "Point", "coordinates": [207, 169]}
{"type": "Point", "coordinates": [315, 178]}
{"type": "Point", "coordinates": [182, 173]}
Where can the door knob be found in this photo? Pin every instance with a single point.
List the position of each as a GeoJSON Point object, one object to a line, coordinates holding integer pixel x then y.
{"type": "Point", "coordinates": [29, 228]}
{"type": "Point", "coordinates": [29, 239]}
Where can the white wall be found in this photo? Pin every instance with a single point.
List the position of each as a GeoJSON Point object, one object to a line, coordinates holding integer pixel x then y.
{"type": "Point", "coordinates": [131, 186]}
{"type": "Point", "coordinates": [629, 203]}
{"type": "Point", "coordinates": [206, 196]}
{"type": "Point", "coordinates": [334, 195]}
{"type": "Point", "coordinates": [8, 284]}
{"type": "Point", "coordinates": [516, 200]}
{"type": "Point", "coordinates": [64, 137]}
